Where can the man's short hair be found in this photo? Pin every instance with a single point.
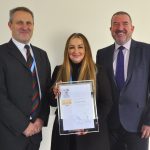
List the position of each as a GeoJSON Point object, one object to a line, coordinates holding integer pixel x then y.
{"type": "Point", "coordinates": [25, 9]}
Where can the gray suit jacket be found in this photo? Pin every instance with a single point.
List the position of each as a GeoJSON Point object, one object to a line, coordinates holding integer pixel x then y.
{"type": "Point", "coordinates": [133, 103]}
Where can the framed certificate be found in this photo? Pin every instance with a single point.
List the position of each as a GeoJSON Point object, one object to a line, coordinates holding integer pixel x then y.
{"type": "Point", "coordinates": [77, 107]}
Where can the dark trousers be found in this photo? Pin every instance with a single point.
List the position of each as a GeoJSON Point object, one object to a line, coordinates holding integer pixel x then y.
{"type": "Point", "coordinates": [120, 139]}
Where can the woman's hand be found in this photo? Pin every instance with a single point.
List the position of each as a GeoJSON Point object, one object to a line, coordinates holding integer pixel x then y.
{"type": "Point", "coordinates": [56, 90]}
{"type": "Point", "coordinates": [81, 132]}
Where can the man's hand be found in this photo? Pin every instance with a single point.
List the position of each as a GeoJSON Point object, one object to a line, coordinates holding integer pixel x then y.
{"type": "Point", "coordinates": [38, 124]}
{"type": "Point", "coordinates": [33, 128]}
{"type": "Point", "coordinates": [145, 131]}
{"type": "Point", "coordinates": [30, 130]}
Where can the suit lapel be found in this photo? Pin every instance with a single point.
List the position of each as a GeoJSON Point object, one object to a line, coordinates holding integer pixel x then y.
{"type": "Point", "coordinates": [110, 62]}
{"type": "Point", "coordinates": [131, 60]}
{"type": "Point", "coordinates": [14, 51]}
{"type": "Point", "coordinates": [39, 65]}
{"type": "Point", "coordinates": [37, 57]}
{"type": "Point", "coordinates": [38, 61]}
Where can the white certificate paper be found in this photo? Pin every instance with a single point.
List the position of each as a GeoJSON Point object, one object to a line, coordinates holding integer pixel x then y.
{"type": "Point", "coordinates": [77, 106]}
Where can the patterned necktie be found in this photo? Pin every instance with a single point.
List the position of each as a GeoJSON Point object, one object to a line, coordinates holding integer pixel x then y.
{"type": "Point", "coordinates": [120, 68]}
{"type": "Point", "coordinates": [36, 96]}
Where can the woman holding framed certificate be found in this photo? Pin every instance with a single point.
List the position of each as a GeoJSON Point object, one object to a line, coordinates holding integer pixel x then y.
{"type": "Point", "coordinates": [78, 65]}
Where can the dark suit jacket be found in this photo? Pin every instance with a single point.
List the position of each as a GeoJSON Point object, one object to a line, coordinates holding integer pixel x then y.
{"type": "Point", "coordinates": [16, 94]}
{"type": "Point", "coordinates": [100, 139]}
{"type": "Point", "coordinates": [133, 103]}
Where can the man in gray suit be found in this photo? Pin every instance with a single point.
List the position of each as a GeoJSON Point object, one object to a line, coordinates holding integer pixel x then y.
{"type": "Point", "coordinates": [127, 63]}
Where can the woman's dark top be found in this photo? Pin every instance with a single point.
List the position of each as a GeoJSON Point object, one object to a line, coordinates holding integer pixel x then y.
{"type": "Point", "coordinates": [75, 71]}
{"type": "Point", "coordinates": [91, 141]}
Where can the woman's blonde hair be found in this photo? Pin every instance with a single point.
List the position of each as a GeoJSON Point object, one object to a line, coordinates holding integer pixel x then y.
{"type": "Point", "coordinates": [88, 67]}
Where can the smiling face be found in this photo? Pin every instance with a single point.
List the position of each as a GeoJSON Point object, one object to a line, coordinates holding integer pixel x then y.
{"type": "Point", "coordinates": [76, 50]}
{"type": "Point", "coordinates": [121, 28]}
{"type": "Point", "coordinates": [21, 26]}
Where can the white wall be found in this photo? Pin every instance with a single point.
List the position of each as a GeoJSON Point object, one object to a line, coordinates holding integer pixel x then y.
{"type": "Point", "coordinates": [55, 20]}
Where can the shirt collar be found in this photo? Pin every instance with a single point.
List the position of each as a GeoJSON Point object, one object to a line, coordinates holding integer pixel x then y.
{"type": "Point", "coordinates": [126, 45]}
{"type": "Point", "coordinates": [19, 45]}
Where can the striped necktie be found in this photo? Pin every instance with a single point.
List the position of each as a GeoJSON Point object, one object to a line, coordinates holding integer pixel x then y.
{"type": "Point", "coordinates": [120, 68]}
{"type": "Point", "coordinates": [35, 87]}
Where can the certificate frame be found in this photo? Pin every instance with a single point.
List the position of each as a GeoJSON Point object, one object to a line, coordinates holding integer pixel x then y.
{"type": "Point", "coordinates": [77, 109]}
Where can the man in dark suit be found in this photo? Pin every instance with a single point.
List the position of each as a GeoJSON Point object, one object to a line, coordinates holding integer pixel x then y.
{"type": "Point", "coordinates": [127, 63]}
{"type": "Point", "coordinates": [21, 123]}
